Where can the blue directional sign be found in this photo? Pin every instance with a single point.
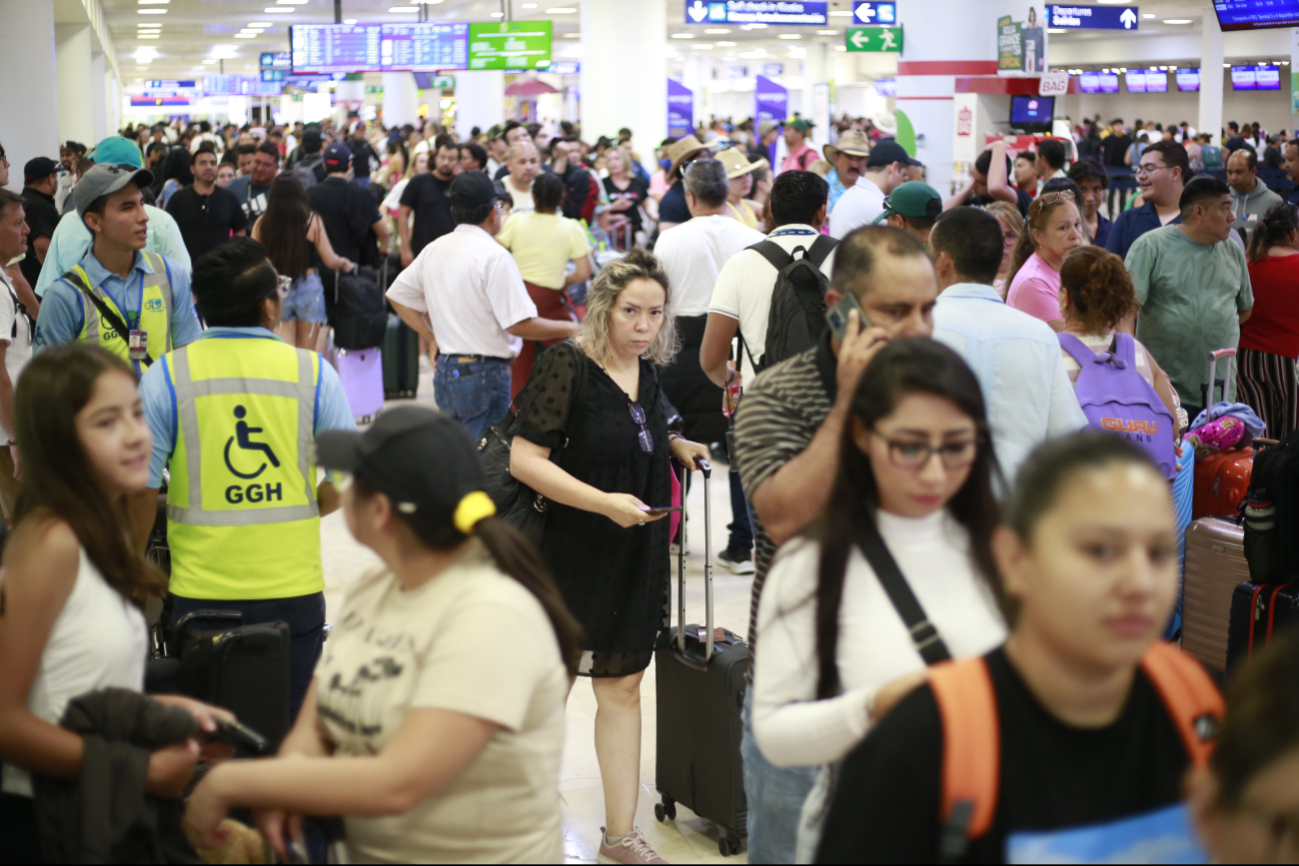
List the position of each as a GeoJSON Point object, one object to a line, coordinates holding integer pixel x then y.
{"type": "Point", "coordinates": [757, 12]}
{"type": "Point", "coordinates": [1092, 17]}
{"type": "Point", "coordinates": [875, 12]}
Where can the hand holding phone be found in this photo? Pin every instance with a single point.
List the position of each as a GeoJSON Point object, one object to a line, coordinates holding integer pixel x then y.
{"type": "Point", "coordinates": [666, 509]}
{"type": "Point", "coordinates": [837, 316]}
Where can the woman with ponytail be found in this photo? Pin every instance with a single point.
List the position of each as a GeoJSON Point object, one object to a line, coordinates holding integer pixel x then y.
{"type": "Point", "coordinates": [436, 720]}
{"type": "Point", "coordinates": [1054, 228]}
{"type": "Point", "coordinates": [915, 470]}
{"type": "Point", "coordinates": [1097, 302]}
{"type": "Point", "coordinates": [1269, 339]}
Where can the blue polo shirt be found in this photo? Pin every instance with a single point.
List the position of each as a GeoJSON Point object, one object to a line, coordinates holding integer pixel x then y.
{"type": "Point", "coordinates": [332, 409]}
{"type": "Point", "coordinates": [1133, 224]}
{"type": "Point", "coordinates": [63, 312]}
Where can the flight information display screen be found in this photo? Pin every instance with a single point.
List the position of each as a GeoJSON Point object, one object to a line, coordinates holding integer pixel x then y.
{"type": "Point", "coordinates": [424, 47]}
{"type": "Point", "coordinates": [1188, 78]}
{"type": "Point", "coordinates": [323, 48]}
{"type": "Point", "coordinates": [1256, 14]}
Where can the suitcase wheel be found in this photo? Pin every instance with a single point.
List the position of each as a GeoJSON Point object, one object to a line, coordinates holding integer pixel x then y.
{"type": "Point", "coordinates": [728, 845]}
{"type": "Point", "coordinates": [667, 810]}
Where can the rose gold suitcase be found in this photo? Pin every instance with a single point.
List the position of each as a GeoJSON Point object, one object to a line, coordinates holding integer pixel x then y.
{"type": "Point", "coordinates": [1215, 566]}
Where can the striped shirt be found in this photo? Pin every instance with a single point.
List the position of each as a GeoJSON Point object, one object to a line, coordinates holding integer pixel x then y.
{"type": "Point", "coordinates": [777, 419]}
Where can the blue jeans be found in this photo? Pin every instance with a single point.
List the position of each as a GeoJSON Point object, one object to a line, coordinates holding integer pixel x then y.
{"type": "Point", "coordinates": [775, 797]}
{"type": "Point", "coordinates": [362, 182]}
{"type": "Point", "coordinates": [473, 390]}
{"type": "Point", "coordinates": [305, 615]}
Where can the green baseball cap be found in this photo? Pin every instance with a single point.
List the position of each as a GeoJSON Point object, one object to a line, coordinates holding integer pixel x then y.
{"type": "Point", "coordinates": [116, 150]}
{"type": "Point", "coordinates": [914, 199]}
{"type": "Point", "coordinates": [801, 125]}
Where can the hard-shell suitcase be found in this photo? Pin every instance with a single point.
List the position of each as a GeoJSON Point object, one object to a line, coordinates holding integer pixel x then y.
{"type": "Point", "coordinates": [361, 372]}
{"type": "Point", "coordinates": [701, 675]}
{"type": "Point", "coordinates": [400, 360]}
{"type": "Point", "coordinates": [1215, 565]}
{"type": "Point", "coordinates": [1221, 480]}
{"type": "Point", "coordinates": [1258, 610]}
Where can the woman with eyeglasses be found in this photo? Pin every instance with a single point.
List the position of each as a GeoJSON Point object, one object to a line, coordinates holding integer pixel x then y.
{"type": "Point", "coordinates": [1012, 226]}
{"type": "Point", "coordinates": [914, 486]}
{"type": "Point", "coordinates": [1053, 229]}
{"type": "Point", "coordinates": [592, 438]}
{"type": "Point", "coordinates": [294, 237]}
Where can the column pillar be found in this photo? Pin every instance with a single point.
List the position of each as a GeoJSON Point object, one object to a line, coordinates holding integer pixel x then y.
{"type": "Point", "coordinates": [480, 101]}
{"type": "Point", "coordinates": [400, 104]}
{"type": "Point", "coordinates": [74, 72]}
{"type": "Point", "coordinates": [1211, 76]}
{"type": "Point", "coordinates": [29, 120]}
{"type": "Point", "coordinates": [816, 70]}
{"type": "Point", "coordinates": [944, 39]}
{"type": "Point", "coordinates": [98, 87]}
{"type": "Point", "coordinates": [625, 36]}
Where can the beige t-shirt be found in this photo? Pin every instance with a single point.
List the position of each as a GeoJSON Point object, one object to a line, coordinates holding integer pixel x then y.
{"type": "Point", "coordinates": [474, 641]}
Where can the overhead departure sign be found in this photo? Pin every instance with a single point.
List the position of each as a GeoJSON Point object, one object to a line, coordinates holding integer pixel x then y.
{"type": "Point", "coordinates": [757, 12]}
{"type": "Point", "coordinates": [277, 59]}
{"type": "Point", "coordinates": [510, 45]}
{"type": "Point", "coordinates": [1093, 17]}
{"type": "Point", "coordinates": [887, 40]}
{"type": "Point", "coordinates": [171, 84]}
{"type": "Point", "coordinates": [875, 12]}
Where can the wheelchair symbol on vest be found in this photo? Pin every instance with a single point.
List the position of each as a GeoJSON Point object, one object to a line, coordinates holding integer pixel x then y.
{"type": "Point", "coordinates": [243, 433]}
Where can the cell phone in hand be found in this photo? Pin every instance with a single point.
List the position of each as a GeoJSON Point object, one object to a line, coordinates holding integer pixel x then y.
{"type": "Point", "coordinates": [666, 509]}
{"type": "Point", "coordinates": [240, 736]}
{"type": "Point", "coordinates": [837, 316]}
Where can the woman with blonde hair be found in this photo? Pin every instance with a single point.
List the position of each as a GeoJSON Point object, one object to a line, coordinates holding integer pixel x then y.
{"type": "Point", "coordinates": [627, 192]}
{"type": "Point", "coordinates": [1053, 229]}
{"type": "Point", "coordinates": [1012, 226]}
{"type": "Point", "coordinates": [594, 405]}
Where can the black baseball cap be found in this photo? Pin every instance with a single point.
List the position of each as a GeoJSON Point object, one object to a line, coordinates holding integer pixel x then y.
{"type": "Point", "coordinates": [311, 141]}
{"type": "Point", "coordinates": [421, 459]}
{"type": "Point", "coordinates": [40, 168]}
{"type": "Point", "coordinates": [887, 152]}
{"type": "Point", "coordinates": [338, 157]}
{"type": "Point", "coordinates": [472, 189]}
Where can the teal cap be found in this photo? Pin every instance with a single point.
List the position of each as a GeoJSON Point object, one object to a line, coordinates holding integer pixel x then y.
{"type": "Point", "coordinates": [116, 150]}
{"type": "Point", "coordinates": [914, 199]}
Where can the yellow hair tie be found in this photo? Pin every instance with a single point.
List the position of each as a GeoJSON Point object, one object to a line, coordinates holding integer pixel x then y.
{"type": "Point", "coordinates": [474, 507]}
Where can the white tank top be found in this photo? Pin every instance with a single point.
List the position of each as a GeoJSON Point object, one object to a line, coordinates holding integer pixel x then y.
{"type": "Point", "coordinates": [100, 640]}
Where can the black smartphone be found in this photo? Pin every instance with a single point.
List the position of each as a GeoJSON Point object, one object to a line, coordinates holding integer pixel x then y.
{"type": "Point", "coordinates": [837, 316]}
{"type": "Point", "coordinates": [240, 736]}
{"type": "Point", "coordinates": [666, 509]}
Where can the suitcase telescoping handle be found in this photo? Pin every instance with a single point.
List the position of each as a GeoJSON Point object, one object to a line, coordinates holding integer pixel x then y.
{"type": "Point", "coordinates": [1207, 388]}
{"type": "Point", "coordinates": [707, 469]}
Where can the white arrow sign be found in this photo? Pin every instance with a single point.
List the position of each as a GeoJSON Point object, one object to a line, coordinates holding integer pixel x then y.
{"type": "Point", "coordinates": [865, 13]}
{"type": "Point", "coordinates": [698, 11]}
{"type": "Point", "coordinates": [1129, 19]}
{"type": "Point", "coordinates": [860, 38]}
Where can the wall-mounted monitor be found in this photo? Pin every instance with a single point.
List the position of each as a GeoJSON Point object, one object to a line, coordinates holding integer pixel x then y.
{"type": "Point", "coordinates": [1135, 80]}
{"type": "Point", "coordinates": [1256, 14]}
{"type": "Point", "coordinates": [1089, 82]}
{"type": "Point", "coordinates": [1255, 78]}
{"type": "Point", "coordinates": [1109, 82]}
{"type": "Point", "coordinates": [1188, 79]}
{"type": "Point", "coordinates": [1156, 81]}
{"type": "Point", "coordinates": [1032, 113]}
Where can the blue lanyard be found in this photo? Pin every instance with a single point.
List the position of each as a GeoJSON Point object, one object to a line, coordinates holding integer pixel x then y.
{"type": "Point", "coordinates": [787, 232]}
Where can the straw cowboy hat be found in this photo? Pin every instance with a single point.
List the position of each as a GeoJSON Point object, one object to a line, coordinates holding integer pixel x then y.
{"type": "Point", "coordinates": [852, 142]}
{"type": "Point", "coordinates": [681, 150]}
{"type": "Point", "coordinates": [737, 164]}
{"type": "Point", "coordinates": [886, 122]}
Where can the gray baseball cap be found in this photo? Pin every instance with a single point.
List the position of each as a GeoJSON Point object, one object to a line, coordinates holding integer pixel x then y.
{"type": "Point", "coordinates": [105, 179]}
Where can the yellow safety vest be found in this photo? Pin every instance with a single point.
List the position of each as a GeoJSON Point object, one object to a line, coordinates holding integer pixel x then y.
{"type": "Point", "coordinates": [155, 312]}
{"type": "Point", "coordinates": [242, 518]}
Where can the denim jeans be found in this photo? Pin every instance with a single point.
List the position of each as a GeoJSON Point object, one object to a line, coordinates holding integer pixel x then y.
{"type": "Point", "coordinates": [741, 526]}
{"type": "Point", "coordinates": [473, 390]}
{"type": "Point", "coordinates": [305, 615]}
{"type": "Point", "coordinates": [775, 797]}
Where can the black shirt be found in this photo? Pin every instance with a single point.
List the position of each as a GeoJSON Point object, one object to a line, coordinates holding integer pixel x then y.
{"type": "Point", "coordinates": [42, 217]}
{"type": "Point", "coordinates": [206, 221]}
{"type": "Point", "coordinates": [1114, 148]}
{"type": "Point", "coordinates": [427, 196]}
{"type": "Point", "coordinates": [1273, 158]}
{"type": "Point", "coordinates": [636, 192]}
{"type": "Point", "coordinates": [673, 207]}
{"type": "Point", "coordinates": [1053, 777]}
{"type": "Point", "coordinates": [361, 153]}
{"type": "Point", "coordinates": [347, 212]}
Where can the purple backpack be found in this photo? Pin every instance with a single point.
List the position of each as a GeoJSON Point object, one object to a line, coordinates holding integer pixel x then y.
{"type": "Point", "coordinates": [1115, 398]}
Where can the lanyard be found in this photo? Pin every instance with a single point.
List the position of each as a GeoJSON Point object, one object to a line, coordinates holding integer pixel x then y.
{"type": "Point", "coordinates": [787, 232]}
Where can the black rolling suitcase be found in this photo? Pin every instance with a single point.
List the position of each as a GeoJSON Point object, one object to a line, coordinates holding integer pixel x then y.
{"type": "Point", "coordinates": [400, 360]}
{"type": "Point", "coordinates": [701, 678]}
{"type": "Point", "coordinates": [1258, 610]}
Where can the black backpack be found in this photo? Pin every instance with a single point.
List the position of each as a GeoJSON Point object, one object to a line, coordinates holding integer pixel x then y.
{"type": "Point", "coordinates": [797, 316]}
{"type": "Point", "coordinates": [1271, 509]}
{"type": "Point", "coordinates": [360, 313]}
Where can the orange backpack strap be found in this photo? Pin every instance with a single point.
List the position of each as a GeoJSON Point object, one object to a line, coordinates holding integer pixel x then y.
{"type": "Point", "coordinates": [1191, 698]}
{"type": "Point", "coordinates": [971, 752]}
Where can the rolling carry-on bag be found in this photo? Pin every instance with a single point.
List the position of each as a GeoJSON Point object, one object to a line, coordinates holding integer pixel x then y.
{"type": "Point", "coordinates": [701, 675]}
{"type": "Point", "coordinates": [1258, 611]}
{"type": "Point", "coordinates": [1221, 480]}
{"type": "Point", "coordinates": [1215, 566]}
{"type": "Point", "coordinates": [400, 360]}
{"type": "Point", "coordinates": [361, 372]}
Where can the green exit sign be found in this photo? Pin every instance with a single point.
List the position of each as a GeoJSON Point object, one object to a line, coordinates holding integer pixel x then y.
{"type": "Point", "coordinates": [512, 45]}
{"type": "Point", "coordinates": [874, 39]}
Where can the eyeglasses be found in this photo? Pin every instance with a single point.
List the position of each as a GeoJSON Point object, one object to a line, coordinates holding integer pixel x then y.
{"type": "Point", "coordinates": [1148, 169]}
{"type": "Point", "coordinates": [1056, 197]}
{"type": "Point", "coordinates": [644, 436]}
{"type": "Point", "coordinates": [1010, 239]}
{"type": "Point", "coordinates": [914, 456]}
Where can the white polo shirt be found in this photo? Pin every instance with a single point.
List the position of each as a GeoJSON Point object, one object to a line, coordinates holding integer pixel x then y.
{"type": "Point", "coordinates": [859, 206]}
{"type": "Point", "coordinates": [693, 253]}
{"type": "Point", "coordinates": [471, 289]}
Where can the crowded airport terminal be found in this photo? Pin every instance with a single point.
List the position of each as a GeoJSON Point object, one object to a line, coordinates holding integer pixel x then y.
{"type": "Point", "coordinates": [649, 431]}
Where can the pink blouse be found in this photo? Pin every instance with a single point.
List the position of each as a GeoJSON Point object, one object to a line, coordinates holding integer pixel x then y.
{"type": "Point", "coordinates": [1036, 290]}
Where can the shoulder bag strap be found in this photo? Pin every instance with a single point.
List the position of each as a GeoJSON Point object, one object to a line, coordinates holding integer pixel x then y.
{"type": "Point", "coordinates": [104, 311]}
{"type": "Point", "coordinates": [967, 704]}
{"type": "Point", "coordinates": [1077, 349]}
{"type": "Point", "coordinates": [1192, 700]}
{"type": "Point", "coordinates": [774, 253]}
{"type": "Point", "coordinates": [924, 635]}
{"type": "Point", "coordinates": [821, 249]}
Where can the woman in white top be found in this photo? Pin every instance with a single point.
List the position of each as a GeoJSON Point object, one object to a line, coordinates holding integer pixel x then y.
{"type": "Point", "coordinates": [916, 467]}
{"type": "Point", "coordinates": [436, 720]}
{"type": "Point", "coordinates": [73, 582]}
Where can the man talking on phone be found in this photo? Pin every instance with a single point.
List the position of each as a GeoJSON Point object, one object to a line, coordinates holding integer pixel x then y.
{"type": "Point", "coordinates": [789, 428]}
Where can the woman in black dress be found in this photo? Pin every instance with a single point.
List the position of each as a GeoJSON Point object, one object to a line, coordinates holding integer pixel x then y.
{"type": "Point", "coordinates": [592, 438]}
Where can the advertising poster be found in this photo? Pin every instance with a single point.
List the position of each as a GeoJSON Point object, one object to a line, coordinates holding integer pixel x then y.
{"type": "Point", "coordinates": [681, 110]}
{"type": "Point", "coordinates": [1022, 45]}
{"type": "Point", "coordinates": [772, 104]}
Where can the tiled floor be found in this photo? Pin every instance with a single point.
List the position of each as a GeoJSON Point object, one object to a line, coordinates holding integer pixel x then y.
{"type": "Point", "coordinates": [687, 839]}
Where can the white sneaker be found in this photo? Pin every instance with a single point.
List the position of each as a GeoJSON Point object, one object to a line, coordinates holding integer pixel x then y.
{"type": "Point", "coordinates": [738, 561]}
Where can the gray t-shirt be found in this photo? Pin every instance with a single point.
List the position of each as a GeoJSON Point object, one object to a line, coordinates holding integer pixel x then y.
{"type": "Point", "coordinates": [1190, 294]}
